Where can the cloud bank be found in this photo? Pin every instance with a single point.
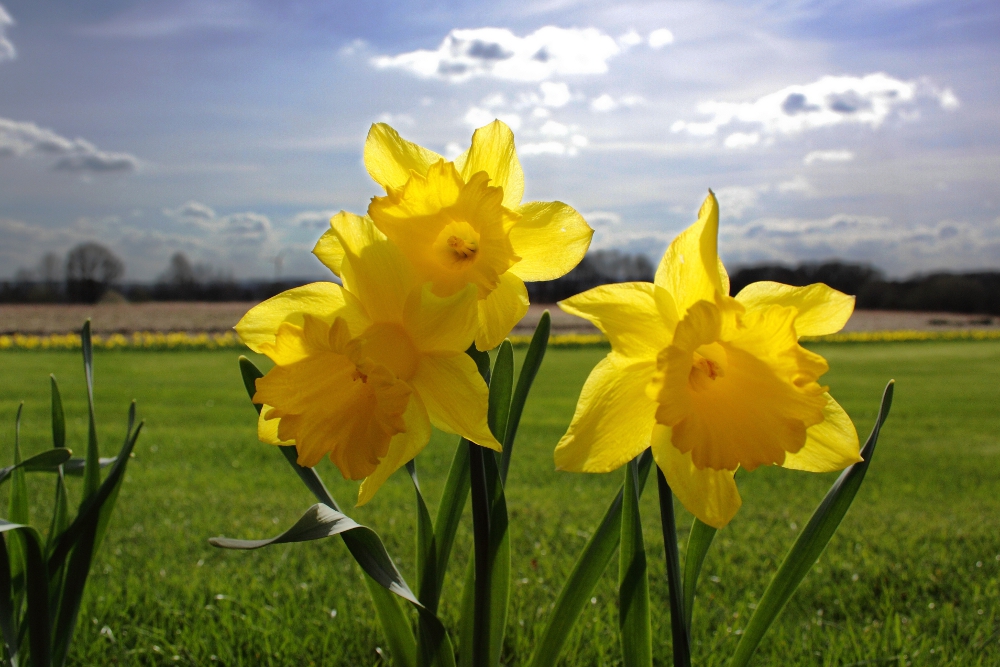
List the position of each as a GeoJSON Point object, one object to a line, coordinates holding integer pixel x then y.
{"type": "Point", "coordinates": [7, 51]}
{"type": "Point", "coordinates": [499, 53]}
{"type": "Point", "coordinates": [832, 100]}
{"type": "Point", "coordinates": [25, 139]}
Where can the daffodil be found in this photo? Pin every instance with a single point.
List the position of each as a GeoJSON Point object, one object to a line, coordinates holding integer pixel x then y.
{"type": "Point", "coordinates": [710, 382]}
{"type": "Point", "coordinates": [462, 223]}
{"type": "Point", "coordinates": [361, 374]}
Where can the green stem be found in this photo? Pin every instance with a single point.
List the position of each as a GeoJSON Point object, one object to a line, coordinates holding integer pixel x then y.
{"type": "Point", "coordinates": [481, 535]}
{"type": "Point", "coordinates": [682, 643]}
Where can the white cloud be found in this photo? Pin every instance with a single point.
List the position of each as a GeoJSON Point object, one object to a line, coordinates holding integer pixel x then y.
{"type": "Point", "coordinates": [828, 156]}
{"type": "Point", "coordinates": [606, 102]}
{"type": "Point", "coordinates": [313, 219]}
{"type": "Point", "coordinates": [735, 200]}
{"type": "Point", "coordinates": [452, 150]}
{"type": "Point", "coordinates": [500, 54]}
{"type": "Point", "coordinates": [397, 119]}
{"type": "Point", "coordinates": [553, 128]}
{"type": "Point", "coordinates": [832, 100]}
{"type": "Point", "coordinates": [629, 39]}
{"type": "Point", "coordinates": [22, 139]}
{"type": "Point", "coordinates": [799, 184]}
{"type": "Point", "coordinates": [476, 117]}
{"type": "Point", "coordinates": [898, 247]}
{"type": "Point", "coordinates": [602, 218]}
{"type": "Point", "coordinates": [555, 94]}
{"type": "Point", "coordinates": [7, 51]}
{"type": "Point", "coordinates": [540, 112]}
{"type": "Point", "coordinates": [660, 38]}
{"type": "Point", "coordinates": [742, 140]}
{"type": "Point", "coordinates": [543, 148]}
{"type": "Point", "coordinates": [239, 228]}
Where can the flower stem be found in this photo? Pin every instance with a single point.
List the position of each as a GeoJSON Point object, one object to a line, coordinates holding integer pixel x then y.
{"type": "Point", "coordinates": [481, 535]}
{"type": "Point", "coordinates": [682, 643]}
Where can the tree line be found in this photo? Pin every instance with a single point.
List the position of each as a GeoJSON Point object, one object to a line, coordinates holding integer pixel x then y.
{"type": "Point", "coordinates": [91, 272]}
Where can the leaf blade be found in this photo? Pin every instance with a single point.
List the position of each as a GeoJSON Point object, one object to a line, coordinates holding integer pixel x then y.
{"type": "Point", "coordinates": [525, 379]}
{"type": "Point", "coordinates": [810, 543]}
{"type": "Point", "coordinates": [633, 582]}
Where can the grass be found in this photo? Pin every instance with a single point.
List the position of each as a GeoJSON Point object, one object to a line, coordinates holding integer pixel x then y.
{"type": "Point", "coordinates": [913, 576]}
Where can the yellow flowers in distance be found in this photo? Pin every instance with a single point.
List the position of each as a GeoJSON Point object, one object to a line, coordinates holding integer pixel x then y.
{"type": "Point", "coordinates": [363, 369]}
{"type": "Point", "coordinates": [462, 223]}
{"type": "Point", "coordinates": [709, 381]}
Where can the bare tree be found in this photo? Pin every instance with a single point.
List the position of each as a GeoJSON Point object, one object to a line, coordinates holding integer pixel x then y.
{"type": "Point", "coordinates": [90, 269]}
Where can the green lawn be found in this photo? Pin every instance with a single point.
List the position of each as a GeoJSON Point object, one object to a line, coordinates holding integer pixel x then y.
{"type": "Point", "coordinates": [913, 576]}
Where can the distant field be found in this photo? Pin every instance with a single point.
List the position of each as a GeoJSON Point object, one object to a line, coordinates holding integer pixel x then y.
{"type": "Point", "coordinates": [218, 317]}
{"type": "Point", "coordinates": [913, 577]}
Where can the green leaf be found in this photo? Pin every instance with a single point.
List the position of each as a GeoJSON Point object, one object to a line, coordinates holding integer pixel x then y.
{"type": "Point", "coordinates": [699, 540]}
{"type": "Point", "coordinates": [37, 588]}
{"type": "Point", "coordinates": [529, 369]}
{"type": "Point", "coordinates": [501, 385]}
{"type": "Point", "coordinates": [678, 630]}
{"type": "Point", "coordinates": [47, 461]}
{"type": "Point", "coordinates": [80, 542]}
{"type": "Point", "coordinates": [590, 566]}
{"type": "Point", "coordinates": [92, 469]}
{"type": "Point", "coordinates": [318, 522]}
{"type": "Point", "coordinates": [449, 514]}
{"type": "Point", "coordinates": [810, 543]}
{"type": "Point", "coordinates": [19, 514]}
{"type": "Point", "coordinates": [633, 584]}
{"type": "Point", "coordinates": [75, 466]}
{"type": "Point", "coordinates": [433, 641]}
{"type": "Point", "coordinates": [381, 576]}
{"type": "Point", "coordinates": [58, 416]}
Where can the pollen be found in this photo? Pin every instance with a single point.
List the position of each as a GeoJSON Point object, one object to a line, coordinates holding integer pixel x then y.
{"type": "Point", "coordinates": [704, 372]}
{"type": "Point", "coordinates": [463, 249]}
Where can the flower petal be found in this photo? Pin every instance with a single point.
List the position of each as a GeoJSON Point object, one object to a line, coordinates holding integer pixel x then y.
{"type": "Point", "coordinates": [325, 301]}
{"type": "Point", "coordinates": [389, 158]}
{"type": "Point", "coordinates": [822, 309]}
{"type": "Point", "coordinates": [830, 445]}
{"type": "Point", "coordinates": [711, 495]}
{"type": "Point", "coordinates": [267, 429]}
{"type": "Point", "coordinates": [373, 268]}
{"type": "Point", "coordinates": [456, 396]}
{"type": "Point", "coordinates": [551, 238]}
{"type": "Point", "coordinates": [403, 447]}
{"type": "Point", "coordinates": [690, 269]}
{"type": "Point", "coordinates": [329, 249]}
{"type": "Point", "coordinates": [493, 151]}
{"type": "Point", "coordinates": [613, 418]}
{"type": "Point", "coordinates": [500, 311]}
{"type": "Point", "coordinates": [627, 314]}
{"type": "Point", "coordinates": [442, 324]}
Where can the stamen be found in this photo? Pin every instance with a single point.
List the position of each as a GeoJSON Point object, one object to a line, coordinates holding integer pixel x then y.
{"type": "Point", "coordinates": [358, 375]}
{"type": "Point", "coordinates": [703, 372]}
{"type": "Point", "coordinates": [465, 249]}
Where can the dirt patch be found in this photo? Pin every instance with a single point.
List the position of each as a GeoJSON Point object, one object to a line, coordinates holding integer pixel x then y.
{"type": "Point", "coordinates": [217, 317]}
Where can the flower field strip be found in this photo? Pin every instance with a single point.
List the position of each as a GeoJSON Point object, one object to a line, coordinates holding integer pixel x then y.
{"type": "Point", "coordinates": [159, 341]}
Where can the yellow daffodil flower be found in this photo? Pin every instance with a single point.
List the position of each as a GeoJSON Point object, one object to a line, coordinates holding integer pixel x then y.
{"type": "Point", "coordinates": [709, 381]}
{"type": "Point", "coordinates": [361, 374]}
{"type": "Point", "coordinates": [462, 223]}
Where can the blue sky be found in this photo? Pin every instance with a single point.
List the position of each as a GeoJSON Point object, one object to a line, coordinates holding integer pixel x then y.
{"type": "Point", "coordinates": [231, 129]}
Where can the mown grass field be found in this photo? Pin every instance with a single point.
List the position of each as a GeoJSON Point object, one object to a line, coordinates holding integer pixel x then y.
{"type": "Point", "coordinates": [913, 576]}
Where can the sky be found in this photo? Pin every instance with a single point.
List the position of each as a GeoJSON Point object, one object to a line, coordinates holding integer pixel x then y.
{"type": "Point", "coordinates": [231, 130]}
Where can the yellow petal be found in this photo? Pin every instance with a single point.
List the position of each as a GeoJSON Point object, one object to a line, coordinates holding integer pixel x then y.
{"type": "Point", "coordinates": [550, 238]}
{"type": "Point", "coordinates": [493, 151]}
{"type": "Point", "coordinates": [326, 301]}
{"type": "Point", "coordinates": [711, 495]}
{"type": "Point", "coordinates": [442, 324]}
{"type": "Point", "coordinates": [329, 249]}
{"type": "Point", "coordinates": [500, 311]}
{"type": "Point", "coordinates": [627, 314]}
{"type": "Point", "coordinates": [267, 429]}
{"type": "Point", "coordinates": [613, 418]}
{"type": "Point", "coordinates": [689, 269]}
{"type": "Point", "coordinates": [822, 310]}
{"type": "Point", "coordinates": [389, 158]}
{"type": "Point", "coordinates": [403, 447]}
{"type": "Point", "coordinates": [830, 445]}
{"type": "Point", "coordinates": [374, 269]}
{"type": "Point", "coordinates": [456, 397]}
